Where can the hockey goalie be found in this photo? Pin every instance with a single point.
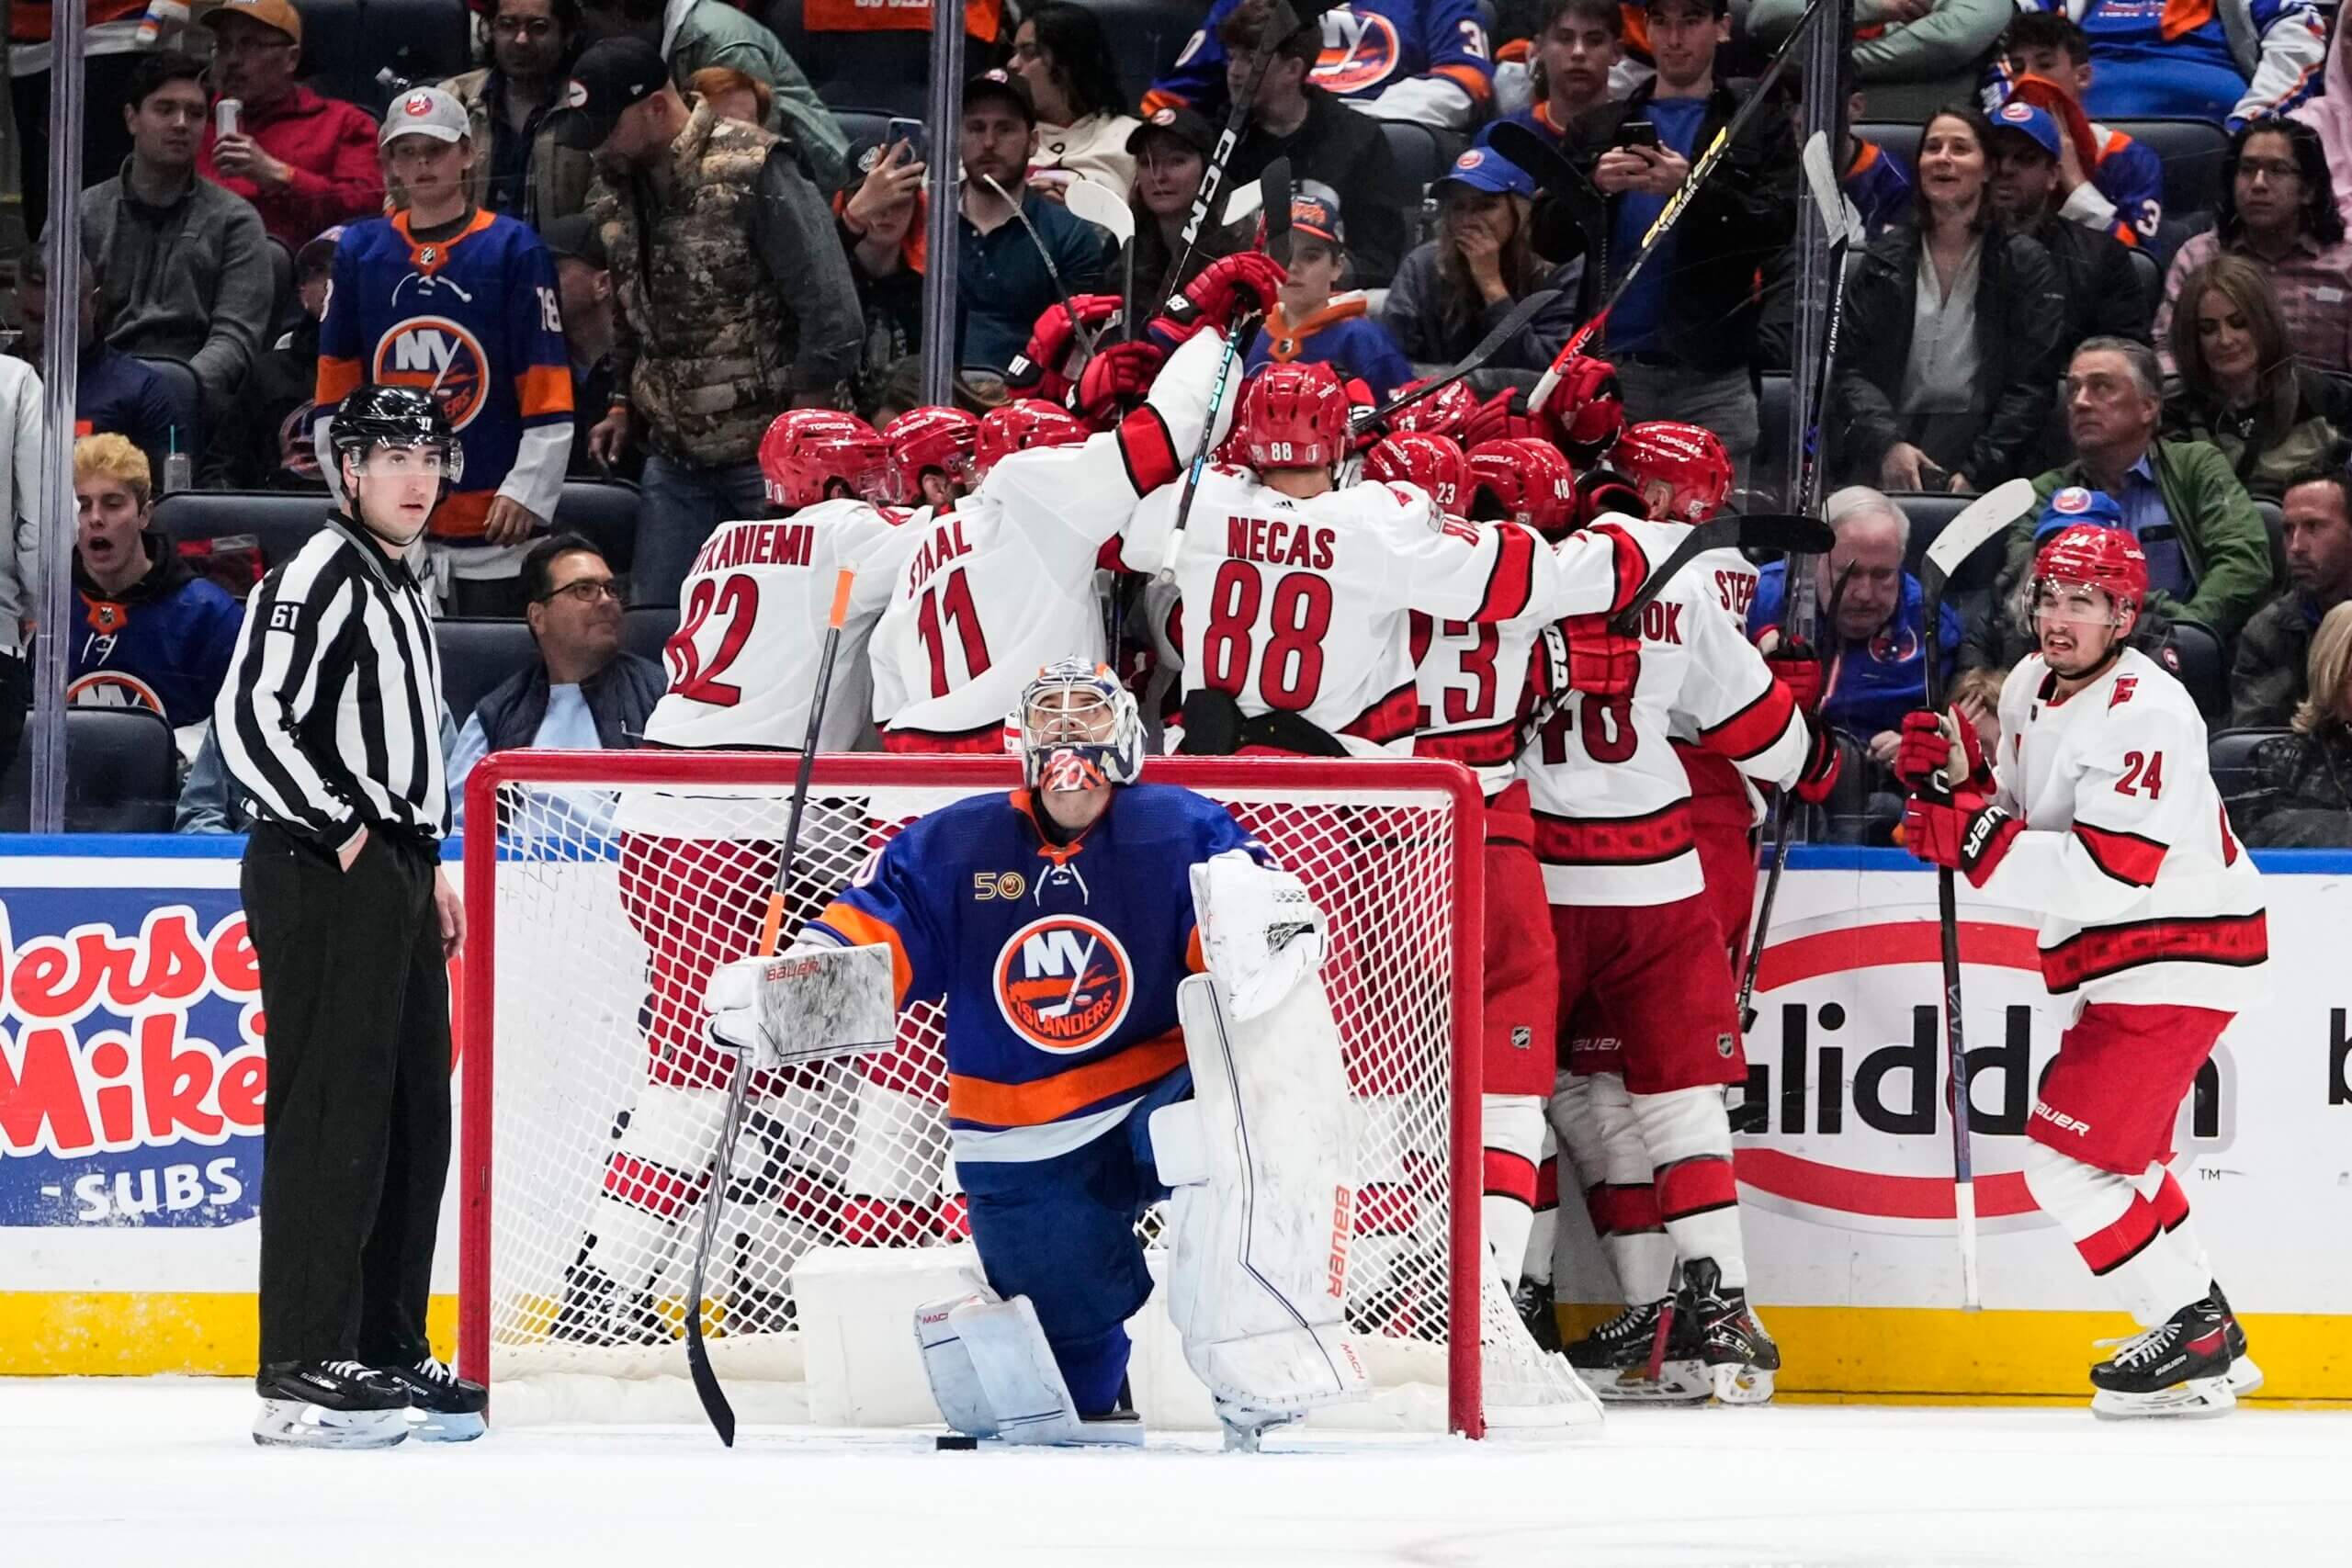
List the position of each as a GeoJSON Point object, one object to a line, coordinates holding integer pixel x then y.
{"type": "Point", "coordinates": [1134, 1012]}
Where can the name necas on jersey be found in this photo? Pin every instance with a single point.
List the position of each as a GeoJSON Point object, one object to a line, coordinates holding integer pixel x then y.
{"type": "Point", "coordinates": [1058, 964]}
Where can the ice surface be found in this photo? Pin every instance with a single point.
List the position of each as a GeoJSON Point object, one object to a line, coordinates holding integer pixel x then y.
{"type": "Point", "coordinates": [135, 1473]}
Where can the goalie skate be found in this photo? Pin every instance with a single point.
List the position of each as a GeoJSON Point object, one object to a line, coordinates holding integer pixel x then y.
{"type": "Point", "coordinates": [2181, 1367]}
{"type": "Point", "coordinates": [1615, 1359]}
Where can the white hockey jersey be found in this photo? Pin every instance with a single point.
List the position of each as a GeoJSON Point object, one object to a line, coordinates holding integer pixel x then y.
{"type": "Point", "coordinates": [1612, 818]}
{"type": "Point", "coordinates": [984, 596]}
{"type": "Point", "coordinates": [1718, 788]}
{"type": "Point", "coordinates": [752, 619]}
{"type": "Point", "coordinates": [1303, 605]}
{"type": "Point", "coordinates": [2145, 894]}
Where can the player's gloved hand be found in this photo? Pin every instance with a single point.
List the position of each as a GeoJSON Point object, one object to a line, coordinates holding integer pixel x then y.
{"type": "Point", "coordinates": [1600, 492]}
{"type": "Point", "coordinates": [1362, 436]}
{"type": "Point", "coordinates": [1039, 370]}
{"type": "Point", "coordinates": [1961, 831]}
{"type": "Point", "coordinates": [1796, 666]}
{"type": "Point", "coordinates": [1120, 373]}
{"type": "Point", "coordinates": [1260, 932]}
{"type": "Point", "coordinates": [1499, 418]}
{"type": "Point", "coordinates": [1823, 762]}
{"type": "Point", "coordinates": [1942, 744]}
{"type": "Point", "coordinates": [1247, 280]}
{"type": "Point", "coordinates": [1586, 413]}
{"type": "Point", "coordinates": [735, 1024]}
{"type": "Point", "coordinates": [1601, 662]}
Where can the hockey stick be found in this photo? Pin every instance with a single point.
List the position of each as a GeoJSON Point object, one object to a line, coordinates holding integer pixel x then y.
{"type": "Point", "coordinates": [1301, 14]}
{"type": "Point", "coordinates": [1274, 184]}
{"type": "Point", "coordinates": [1783, 531]}
{"type": "Point", "coordinates": [1509, 327]}
{"type": "Point", "coordinates": [1987, 515]}
{"type": "Point", "coordinates": [1061, 290]}
{"type": "Point", "coordinates": [706, 1380]}
{"type": "Point", "coordinates": [1540, 160]}
{"type": "Point", "coordinates": [1091, 202]}
{"type": "Point", "coordinates": [1677, 204]}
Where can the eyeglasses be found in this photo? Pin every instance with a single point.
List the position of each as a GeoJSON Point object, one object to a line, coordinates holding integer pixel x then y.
{"type": "Point", "coordinates": [522, 27]}
{"type": "Point", "coordinates": [587, 591]}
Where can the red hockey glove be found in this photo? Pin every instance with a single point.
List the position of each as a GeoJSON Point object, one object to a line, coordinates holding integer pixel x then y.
{"type": "Point", "coordinates": [1599, 493]}
{"type": "Point", "coordinates": [1038, 370]}
{"type": "Point", "coordinates": [1600, 661]}
{"type": "Point", "coordinates": [1926, 750]}
{"type": "Point", "coordinates": [1248, 279]}
{"type": "Point", "coordinates": [1118, 374]}
{"type": "Point", "coordinates": [1502, 417]}
{"type": "Point", "coordinates": [1963, 832]}
{"type": "Point", "coordinates": [1361, 438]}
{"type": "Point", "coordinates": [1586, 413]}
{"type": "Point", "coordinates": [1796, 666]}
{"type": "Point", "coordinates": [1823, 763]}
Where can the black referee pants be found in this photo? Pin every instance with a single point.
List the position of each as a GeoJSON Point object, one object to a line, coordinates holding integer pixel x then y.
{"type": "Point", "coordinates": [355, 1126]}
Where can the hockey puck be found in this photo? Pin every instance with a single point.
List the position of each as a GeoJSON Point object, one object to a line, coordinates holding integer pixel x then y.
{"type": "Point", "coordinates": [954, 1442]}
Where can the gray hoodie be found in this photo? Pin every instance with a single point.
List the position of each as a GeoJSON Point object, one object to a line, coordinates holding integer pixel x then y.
{"type": "Point", "coordinates": [190, 281]}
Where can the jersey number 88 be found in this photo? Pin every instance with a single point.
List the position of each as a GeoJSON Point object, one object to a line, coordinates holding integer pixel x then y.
{"type": "Point", "coordinates": [1291, 673]}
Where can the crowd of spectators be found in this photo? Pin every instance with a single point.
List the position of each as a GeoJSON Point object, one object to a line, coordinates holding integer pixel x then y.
{"type": "Point", "coordinates": [681, 239]}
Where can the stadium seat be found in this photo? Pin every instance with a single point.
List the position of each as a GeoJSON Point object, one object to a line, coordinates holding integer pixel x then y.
{"type": "Point", "coordinates": [279, 519]}
{"type": "Point", "coordinates": [2274, 523]}
{"type": "Point", "coordinates": [122, 774]}
{"type": "Point", "coordinates": [1929, 511]}
{"type": "Point", "coordinates": [1899, 137]}
{"type": "Point", "coordinates": [2229, 754]}
{"type": "Point", "coordinates": [2194, 654]}
{"type": "Point", "coordinates": [338, 58]}
{"type": "Point", "coordinates": [647, 627]}
{"type": "Point", "coordinates": [476, 655]}
{"type": "Point", "coordinates": [606, 511]}
{"type": "Point", "coordinates": [866, 131]}
{"type": "Point", "coordinates": [1146, 36]}
{"type": "Point", "coordinates": [2151, 273]}
{"type": "Point", "coordinates": [285, 303]}
{"type": "Point", "coordinates": [2193, 151]}
{"type": "Point", "coordinates": [186, 396]}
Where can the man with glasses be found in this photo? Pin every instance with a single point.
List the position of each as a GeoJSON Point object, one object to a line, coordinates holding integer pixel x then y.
{"type": "Point", "coordinates": [2278, 211]}
{"type": "Point", "coordinates": [520, 168]}
{"type": "Point", "coordinates": [306, 163]}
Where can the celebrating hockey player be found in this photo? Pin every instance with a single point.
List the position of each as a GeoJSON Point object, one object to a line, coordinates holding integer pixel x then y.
{"type": "Point", "coordinates": [1075, 1101]}
{"type": "Point", "coordinates": [2097, 811]}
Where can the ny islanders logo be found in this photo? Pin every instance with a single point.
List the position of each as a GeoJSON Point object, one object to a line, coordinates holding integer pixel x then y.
{"type": "Point", "coordinates": [439, 357]}
{"type": "Point", "coordinates": [1064, 983]}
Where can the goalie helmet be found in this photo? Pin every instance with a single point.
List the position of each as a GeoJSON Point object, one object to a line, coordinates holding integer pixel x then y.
{"type": "Point", "coordinates": [1521, 479]}
{"type": "Point", "coordinates": [1292, 416]}
{"type": "Point", "coordinates": [1019, 425]}
{"type": "Point", "coordinates": [927, 439]}
{"type": "Point", "coordinates": [1681, 470]}
{"type": "Point", "coordinates": [1078, 727]}
{"type": "Point", "coordinates": [1433, 462]}
{"type": "Point", "coordinates": [1587, 410]}
{"type": "Point", "coordinates": [2106, 558]}
{"type": "Point", "coordinates": [1442, 412]}
{"type": "Point", "coordinates": [807, 451]}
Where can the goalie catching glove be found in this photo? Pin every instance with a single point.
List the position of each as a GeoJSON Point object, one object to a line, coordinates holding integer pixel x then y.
{"type": "Point", "coordinates": [1260, 934]}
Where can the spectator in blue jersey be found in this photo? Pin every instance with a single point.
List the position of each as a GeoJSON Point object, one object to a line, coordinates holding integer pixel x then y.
{"type": "Point", "coordinates": [115, 394]}
{"type": "Point", "coordinates": [2106, 180]}
{"type": "Point", "coordinates": [2226, 61]}
{"type": "Point", "coordinates": [462, 303]}
{"type": "Point", "coordinates": [1876, 180]}
{"type": "Point", "coordinates": [1314, 320]}
{"type": "Point", "coordinates": [1460, 286]}
{"type": "Point", "coordinates": [149, 633]}
{"type": "Point", "coordinates": [1683, 338]}
{"type": "Point", "coordinates": [2278, 211]}
{"type": "Point", "coordinates": [2103, 293]}
{"type": "Point", "coordinates": [1948, 345]}
{"type": "Point", "coordinates": [1002, 279]}
{"type": "Point", "coordinates": [1876, 643]}
{"type": "Point", "coordinates": [1424, 61]}
{"type": "Point", "coordinates": [1579, 45]}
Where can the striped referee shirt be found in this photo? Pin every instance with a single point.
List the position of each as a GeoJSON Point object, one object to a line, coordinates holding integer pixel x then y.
{"type": "Point", "coordinates": [329, 718]}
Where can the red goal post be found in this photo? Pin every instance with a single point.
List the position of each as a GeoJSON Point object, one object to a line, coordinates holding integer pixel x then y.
{"type": "Point", "coordinates": [1393, 850]}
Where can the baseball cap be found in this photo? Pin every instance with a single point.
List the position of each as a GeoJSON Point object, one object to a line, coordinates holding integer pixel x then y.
{"type": "Point", "coordinates": [1314, 211]}
{"type": "Point", "coordinates": [2074, 504]}
{"type": "Point", "coordinates": [1482, 168]}
{"type": "Point", "coordinates": [319, 249]}
{"type": "Point", "coordinates": [1185, 124]}
{"type": "Point", "coordinates": [575, 237]}
{"type": "Point", "coordinates": [1003, 86]}
{"type": "Point", "coordinates": [2027, 121]}
{"type": "Point", "coordinates": [427, 111]}
{"type": "Point", "coordinates": [278, 13]}
{"type": "Point", "coordinates": [608, 80]}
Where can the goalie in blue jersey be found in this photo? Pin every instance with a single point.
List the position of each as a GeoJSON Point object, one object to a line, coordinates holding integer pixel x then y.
{"type": "Point", "coordinates": [1133, 1010]}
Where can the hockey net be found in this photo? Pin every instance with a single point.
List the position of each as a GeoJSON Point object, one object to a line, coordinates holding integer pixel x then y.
{"type": "Point", "coordinates": [602, 887]}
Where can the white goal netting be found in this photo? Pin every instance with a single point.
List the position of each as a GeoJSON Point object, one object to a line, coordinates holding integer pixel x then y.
{"type": "Point", "coordinates": [602, 890]}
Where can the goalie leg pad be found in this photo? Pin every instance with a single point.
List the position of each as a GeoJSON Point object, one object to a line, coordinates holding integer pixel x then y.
{"type": "Point", "coordinates": [995, 1376]}
{"type": "Point", "coordinates": [1263, 1214]}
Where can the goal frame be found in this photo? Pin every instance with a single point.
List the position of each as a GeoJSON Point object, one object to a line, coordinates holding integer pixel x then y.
{"type": "Point", "coordinates": [853, 770]}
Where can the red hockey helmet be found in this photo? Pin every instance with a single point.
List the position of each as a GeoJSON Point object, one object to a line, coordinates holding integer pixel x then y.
{"type": "Point", "coordinates": [1433, 462]}
{"type": "Point", "coordinates": [927, 438]}
{"type": "Point", "coordinates": [2109, 559]}
{"type": "Point", "coordinates": [1521, 479]}
{"type": "Point", "coordinates": [806, 451]}
{"type": "Point", "coordinates": [1292, 416]}
{"type": "Point", "coordinates": [1020, 424]}
{"type": "Point", "coordinates": [1586, 410]}
{"type": "Point", "coordinates": [1440, 413]}
{"type": "Point", "coordinates": [1681, 470]}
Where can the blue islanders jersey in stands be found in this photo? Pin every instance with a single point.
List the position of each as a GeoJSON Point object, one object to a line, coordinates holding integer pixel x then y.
{"type": "Point", "coordinates": [1536, 116]}
{"type": "Point", "coordinates": [1368, 46]}
{"type": "Point", "coordinates": [2173, 58]}
{"type": "Point", "coordinates": [1059, 963]}
{"type": "Point", "coordinates": [1878, 185]}
{"type": "Point", "coordinates": [1341, 336]}
{"type": "Point", "coordinates": [474, 320]}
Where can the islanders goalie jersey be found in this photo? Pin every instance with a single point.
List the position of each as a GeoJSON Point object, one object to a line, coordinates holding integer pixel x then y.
{"type": "Point", "coordinates": [1059, 962]}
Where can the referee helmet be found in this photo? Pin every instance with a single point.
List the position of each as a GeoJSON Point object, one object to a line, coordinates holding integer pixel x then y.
{"type": "Point", "coordinates": [379, 415]}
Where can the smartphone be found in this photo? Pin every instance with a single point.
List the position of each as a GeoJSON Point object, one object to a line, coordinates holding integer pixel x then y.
{"type": "Point", "coordinates": [226, 114]}
{"type": "Point", "coordinates": [913, 133]}
{"type": "Point", "coordinates": [1638, 133]}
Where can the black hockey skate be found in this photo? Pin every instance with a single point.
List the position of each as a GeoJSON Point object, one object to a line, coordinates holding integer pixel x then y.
{"type": "Point", "coordinates": [448, 1408]}
{"type": "Point", "coordinates": [2181, 1367]}
{"type": "Point", "coordinates": [2245, 1376]}
{"type": "Point", "coordinates": [1740, 1356]}
{"type": "Point", "coordinates": [1532, 1300]}
{"type": "Point", "coordinates": [1615, 1359]}
{"type": "Point", "coordinates": [329, 1405]}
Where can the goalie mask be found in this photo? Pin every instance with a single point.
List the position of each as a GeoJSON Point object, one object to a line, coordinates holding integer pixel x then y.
{"type": "Point", "coordinates": [1079, 728]}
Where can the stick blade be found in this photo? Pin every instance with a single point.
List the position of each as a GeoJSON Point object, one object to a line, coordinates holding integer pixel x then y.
{"type": "Point", "coordinates": [1979, 522]}
{"type": "Point", "coordinates": [1838, 219]}
{"type": "Point", "coordinates": [714, 1398]}
{"type": "Point", "coordinates": [1793, 533]}
{"type": "Point", "coordinates": [1541, 159]}
{"type": "Point", "coordinates": [1098, 204]}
